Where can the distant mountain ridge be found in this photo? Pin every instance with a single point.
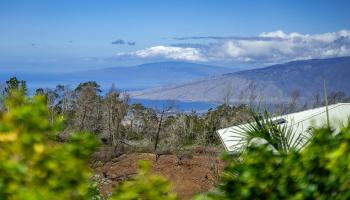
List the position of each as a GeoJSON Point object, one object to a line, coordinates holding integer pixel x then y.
{"type": "Point", "coordinates": [150, 74]}
{"type": "Point", "coordinates": [271, 84]}
{"type": "Point", "coordinates": [127, 78]}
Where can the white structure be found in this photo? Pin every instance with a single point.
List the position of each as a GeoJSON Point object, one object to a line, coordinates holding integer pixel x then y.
{"type": "Point", "coordinates": [300, 122]}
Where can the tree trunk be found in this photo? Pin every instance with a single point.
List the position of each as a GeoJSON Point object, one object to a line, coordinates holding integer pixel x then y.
{"type": "Point", "coordinates": [158, 132]}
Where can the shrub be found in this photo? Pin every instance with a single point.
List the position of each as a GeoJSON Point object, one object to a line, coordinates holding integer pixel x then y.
{"type": "Point", "coordinates": [320, 171]}
{"type": "Point", "coordinates": [145, 186]}
{"type": "Point", "coordinates": [34, 167]}
{"type": "Point", "coordinates": [31, 165]}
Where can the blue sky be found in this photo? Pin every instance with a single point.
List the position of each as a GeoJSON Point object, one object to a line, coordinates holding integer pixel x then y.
{"type": "Point", "coordinates": [62, 36]}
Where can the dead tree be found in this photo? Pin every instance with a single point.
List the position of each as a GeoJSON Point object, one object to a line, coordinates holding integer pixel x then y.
{"type": "Point", "coordinates": [228, 93]}
{"type": "Point", "coordinates": [116, 108]}
{"type": "Point", "coordinates": [294, 102]}
{"type": "Point", "coordinates": [165, 109]}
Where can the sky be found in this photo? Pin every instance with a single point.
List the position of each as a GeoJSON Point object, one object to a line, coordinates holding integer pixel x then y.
{"type": "Point", "coordinates": [65, 35]}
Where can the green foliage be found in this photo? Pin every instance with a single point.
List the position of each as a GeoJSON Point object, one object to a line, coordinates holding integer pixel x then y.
{"type": "Point", "coordinates": [94, 192]}
{"type": "Point", "coordinates": [220, 117]}
{"type": "Point", "coordinates": [2, 96]}
{"type": "Point", "coordinates": [134, 136]}
{"type": "Point", "coordinates": [145, 186]}
{"type": "Point", "coordinates": [320, 171]}
{"type": "Point", "coordinates": [31, 165]}
{"type": "Point", "coordinates": [194, 125]}
{"type": "Point", "coordinates": [280, 137]}
{"type": "Point", "coordinates": [15, 84]}
{"type": "Point", "coordinates": [92, 84]}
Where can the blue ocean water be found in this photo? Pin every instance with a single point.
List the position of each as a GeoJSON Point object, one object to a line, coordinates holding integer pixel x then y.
{"type": "Point", "coordinates": [199, 107]}
{"type": "Point", "coordinates": [33, 83]}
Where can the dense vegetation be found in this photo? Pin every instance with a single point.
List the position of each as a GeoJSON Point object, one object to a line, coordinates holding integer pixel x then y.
{"type": "Point", "coordinates": [320, 171]}
{"type": "Point", "coordinates": [46, 143]}
{"type": "Point", "coordinates": [123, 125]}
{"type": "Point", "coordinates": [118, 123]}
{"type": "Point", "coordinates": [34, 165]}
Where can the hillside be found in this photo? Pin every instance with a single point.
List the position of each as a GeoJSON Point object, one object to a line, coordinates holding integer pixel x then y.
{"type": "Point", "coordinates": [126, 78]}
{"type": "Point", "coordinates": [273, 84]}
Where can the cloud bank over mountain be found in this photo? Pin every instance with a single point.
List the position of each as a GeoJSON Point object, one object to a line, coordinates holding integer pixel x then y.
{"type": "Point", "coordinates": [266, 48]}
{"type": "Point", "coordinates": [168, 52]}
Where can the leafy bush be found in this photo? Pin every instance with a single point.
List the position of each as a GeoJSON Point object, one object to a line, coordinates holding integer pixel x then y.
{"type": "Point", "coordinates": [145, 186]}
{"type": "Point", "coordinates": [320, 171]}
{"type": "Point", "coordinates": [31, 165]}
{"type": "Point", "coordinates": [34, 167]}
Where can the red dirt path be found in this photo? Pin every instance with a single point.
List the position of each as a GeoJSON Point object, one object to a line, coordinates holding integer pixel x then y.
{"type": "Point", "coordinates": [189, 175]}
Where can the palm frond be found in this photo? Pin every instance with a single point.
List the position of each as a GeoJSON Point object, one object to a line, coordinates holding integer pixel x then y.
{"type": "Point", "coordinates": [275, 132]}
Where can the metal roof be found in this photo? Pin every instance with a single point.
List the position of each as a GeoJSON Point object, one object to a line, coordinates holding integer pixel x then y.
{"type": "Point", "coordinates": [339, 114]}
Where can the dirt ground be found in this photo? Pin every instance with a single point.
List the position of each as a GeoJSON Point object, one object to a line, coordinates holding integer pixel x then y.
{"type": "Point", "coordinates": [189, 174]}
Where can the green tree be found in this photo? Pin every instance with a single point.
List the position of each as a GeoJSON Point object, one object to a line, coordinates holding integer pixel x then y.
{"type": "Point", "coordinates": [88, 108]}
{"type": "Point", "coordinates": [14, 84]}
{"type": "Point", "coordinates": [92, 84]}
{"type": "Point", "coordinates": [220, 117]}
{"type": "Point", "coordinates": [31, 165]}
{"type": "Point", "coordinates": [2, 97]}
{"type": "Point", "coordinates": [51, 100]}
{"type": "Point", "coordinates": [115, 110]}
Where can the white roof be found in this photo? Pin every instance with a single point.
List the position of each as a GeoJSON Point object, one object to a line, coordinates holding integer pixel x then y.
{"type": "Point", "coordinates": [232, 138]}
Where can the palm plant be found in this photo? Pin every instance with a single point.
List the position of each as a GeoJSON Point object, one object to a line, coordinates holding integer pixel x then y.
{"type": "Point", "coordinates": [275, 133]}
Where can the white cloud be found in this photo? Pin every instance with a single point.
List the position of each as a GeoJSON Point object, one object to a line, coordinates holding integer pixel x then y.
{"type": "Point", "coordinates": [282, 35]}
{"type": "Point", "coordinates": [169, 52]}
{"type": "Point", "coordinates": [266, 48]}
{"type": "Point", "coordinates": [278, 46]}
